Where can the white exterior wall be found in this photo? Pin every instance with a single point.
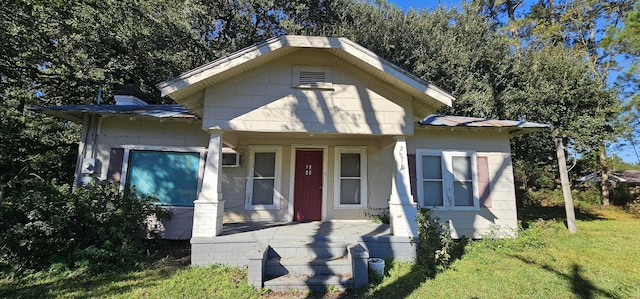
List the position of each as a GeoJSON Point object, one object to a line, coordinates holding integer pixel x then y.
{"type": "Point", "coordinates": [121, 131]}
{"type": "Point", "coordinates": [379, 163]}
{"type": "Point", "coordinates": [263, 100]}
{"type": "Point", "coordinates": [496, 147]}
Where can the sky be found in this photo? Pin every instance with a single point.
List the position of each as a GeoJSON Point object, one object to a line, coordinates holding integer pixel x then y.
{"type": "Point", "coordinates": [424, 3]}
{"type": "Point", "coordinates": [625, 152]}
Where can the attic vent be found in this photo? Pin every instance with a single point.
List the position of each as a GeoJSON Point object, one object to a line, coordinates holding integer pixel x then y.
{"type": "Point", "coordinates": [312, 77]}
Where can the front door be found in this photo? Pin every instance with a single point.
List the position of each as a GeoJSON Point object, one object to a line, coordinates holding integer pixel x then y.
{"type": "Point", "coordinates": [307, 198]}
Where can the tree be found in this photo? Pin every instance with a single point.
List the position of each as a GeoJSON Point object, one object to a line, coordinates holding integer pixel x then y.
{"type": "Point", "coordinates": [628, 39]}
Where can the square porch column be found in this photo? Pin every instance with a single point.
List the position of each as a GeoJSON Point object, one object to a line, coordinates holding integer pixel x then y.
{"type": "Point", "coordinates": [209, 207]}
{"type": "Point", "coordinates": [402, 209]}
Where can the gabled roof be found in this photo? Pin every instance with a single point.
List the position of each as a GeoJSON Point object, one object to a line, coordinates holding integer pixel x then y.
{"type": "Point", "coordinates": [514, 126]}
{"type": "Point", "coordinates": [76, 113]}
{"type": "Point", "coordinates": [186, 89]}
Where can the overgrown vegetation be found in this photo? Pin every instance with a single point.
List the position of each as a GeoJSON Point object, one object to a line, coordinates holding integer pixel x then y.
{"type": "Point", "coordinates": [379, 215]}
{"type": "Point", "coordinates": [436, 250]}
{"type": "Point", "coordinates": [95, 228]}
{"type": "Point", "coordinates": [544, 261]}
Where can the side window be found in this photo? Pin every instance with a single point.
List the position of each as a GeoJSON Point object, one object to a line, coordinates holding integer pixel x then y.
{"type": "Point", "coordinates": [263, 181]}
{"type": "Point", "coordinates": [447, 179]}
{"type": "Point", "coordinates": [351, 177]}
{"type": "Point", "coordinates": [170, 177]}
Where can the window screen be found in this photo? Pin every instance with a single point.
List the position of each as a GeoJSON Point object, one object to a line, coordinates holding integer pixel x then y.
{"type": "Point", "coordinates": [264, 174]}
{"type": "Point", "coordinates": [350, 180]}
{"type": "Point", "coordinates": [170, 177]}
{"type": "Point", "coordinates": [462, 181]}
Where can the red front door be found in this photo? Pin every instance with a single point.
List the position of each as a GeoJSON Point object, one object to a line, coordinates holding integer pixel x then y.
{"type": "Point", "coordinates": [307, 202]}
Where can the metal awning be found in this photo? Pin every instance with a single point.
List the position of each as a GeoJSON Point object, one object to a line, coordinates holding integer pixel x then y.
{"type": "Point", "coordinates": [514, 126]}
{"type": "Point", "coordinates": [76, 113]}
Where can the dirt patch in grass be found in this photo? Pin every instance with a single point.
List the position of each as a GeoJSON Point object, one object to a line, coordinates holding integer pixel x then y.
{"type": "Point", "coordinates": [344, 294]}
{"type": "Point", "coordinates": [169, 255]}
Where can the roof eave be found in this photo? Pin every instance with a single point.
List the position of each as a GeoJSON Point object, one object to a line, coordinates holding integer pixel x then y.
{"type": "Point", "coordinates": [418, 88]}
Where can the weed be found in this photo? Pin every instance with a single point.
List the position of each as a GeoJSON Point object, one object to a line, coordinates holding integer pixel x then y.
{"type": "Point", "coordinates": [380, 216]}
{"type": "Point", "coordinates": [434, 243]}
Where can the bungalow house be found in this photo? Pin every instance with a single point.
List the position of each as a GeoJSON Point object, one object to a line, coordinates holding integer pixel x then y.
{"type": "Point", "coordinates": [302, 129]}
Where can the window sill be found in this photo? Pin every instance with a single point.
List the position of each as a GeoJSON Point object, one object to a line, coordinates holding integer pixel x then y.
{"type": "Point", "coordinates": [452, 208]}
{"type": "Point", "coordinates": [349, 207]}
{"type": "Point", "coordinates": [258, 208]}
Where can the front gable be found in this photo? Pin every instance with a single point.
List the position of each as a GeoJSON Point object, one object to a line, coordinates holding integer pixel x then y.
{"type": "Point", "coordinates": [270, 99]}
{"type": "Point", "coordinates": [256, 89]}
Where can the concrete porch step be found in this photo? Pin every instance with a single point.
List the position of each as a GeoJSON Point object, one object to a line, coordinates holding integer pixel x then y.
{"type": "Point", "coordinates": [309, 266]}
{"type": "Point", "coordinates": [292, 249]}
{"type": "Point", "coordinates": [307, 282]}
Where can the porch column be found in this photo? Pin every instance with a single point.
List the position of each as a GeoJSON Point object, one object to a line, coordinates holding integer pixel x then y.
{"type": "Point", "coordinates": [209, 207]}
{"type": "Point", "coordinates": [402, 209]}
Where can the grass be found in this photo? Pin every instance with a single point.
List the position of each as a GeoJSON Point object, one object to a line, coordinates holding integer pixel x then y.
{"type": "Point", "coordinates": [601, 261]}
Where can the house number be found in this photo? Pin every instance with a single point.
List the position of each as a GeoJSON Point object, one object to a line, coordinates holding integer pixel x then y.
{"type": "Point", "coordinates": [307, 169]}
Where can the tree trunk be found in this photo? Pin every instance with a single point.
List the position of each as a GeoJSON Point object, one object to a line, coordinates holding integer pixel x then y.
{"type": "Point", "coordinates": [604, 175]}
{"type": "Point", "coordinates": [511, 14]}
{"type": "Point", "coordinates": [566, 187]}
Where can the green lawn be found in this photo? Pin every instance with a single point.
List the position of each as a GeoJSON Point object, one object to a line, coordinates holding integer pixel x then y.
{"type": "Point", "coordinates": [601, 260]}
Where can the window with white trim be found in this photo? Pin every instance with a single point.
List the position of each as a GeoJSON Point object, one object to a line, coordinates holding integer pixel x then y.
{"type": "Point", "coordinates": [170, 175]}
{"type": "Point", "coordinates": [350, 177]}
{"type": "Point", "coordinates": [447, 179]}
{"type": "Point", "coordinates": [263, 180]}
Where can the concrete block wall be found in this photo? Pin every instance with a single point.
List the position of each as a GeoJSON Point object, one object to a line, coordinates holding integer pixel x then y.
{"type": "Point", "coordinates": [359, 265]}
{"type": "Point", "coordinates": [206, 251]}
{"type": "Point", "coordinates": [399, 248]}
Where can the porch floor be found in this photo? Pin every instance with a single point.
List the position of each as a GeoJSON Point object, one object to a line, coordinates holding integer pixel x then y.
{"type": "Point", "coordinates": [240, 242]}
{"type": "Point", "coordinates": [332, 231]}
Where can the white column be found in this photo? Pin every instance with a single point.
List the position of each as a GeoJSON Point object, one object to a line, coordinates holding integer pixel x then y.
{"type": "Point", "coordinates": [209, 207]}
{"type": "Point", "coordinates": [402, 209]}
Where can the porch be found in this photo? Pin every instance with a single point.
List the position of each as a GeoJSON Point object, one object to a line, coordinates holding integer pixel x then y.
{"type": "Point", "coordinates": [279, 254]}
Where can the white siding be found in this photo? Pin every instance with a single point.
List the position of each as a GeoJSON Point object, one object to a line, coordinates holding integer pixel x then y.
{"type": "Point", "coordinates": [496, 147]}
{"type": "Point", "coordinates": [379, 179]}
{"type": "Point", "coordinates": [263, 100]}
{"type": "Point", "coordinates": [120, 131]}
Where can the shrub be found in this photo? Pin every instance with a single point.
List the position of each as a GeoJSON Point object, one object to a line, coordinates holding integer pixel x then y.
{"type": "Point", "coordinates": [499, 238]}
{"type": "Point", "coordinates": [379, 216]}
{"type": "Point", "coordinates": [633, 207]}
{"type": "Point", "coordinates": [435, 247]}
{"type": "Point", "coordinates": [588, 196]}
{"type": "Point", "coordinates": [96, 227]}
{"type": "Point", "coordinates": [621, 194]}
{"type": "Point", "coordinates": [541, 198]}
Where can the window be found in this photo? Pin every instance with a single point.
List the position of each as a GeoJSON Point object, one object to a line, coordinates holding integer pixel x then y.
{"type": "Point", "coordinates": [172, 177]}
{"type": "Point", "coordinates": [447, 179]}
{"type": "Point", "coordinates": [350, 177]}
{"type": "Point", "coordinates": [263, 183]}
{"type": "Point", "coordinates": [230, 158]}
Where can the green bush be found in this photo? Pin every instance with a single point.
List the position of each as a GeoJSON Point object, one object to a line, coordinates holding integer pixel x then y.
{"type": "Point", "coordinates": [500, 238]}
{"type": "Point", "coordinates": [96, 227]}
{"type": "Point", "coordinates": [633, 207]}
{"type": "Point", "coordinates": [588, 196]}
{"type": "Point", "coordinates": [435, 248]}
{"type": "Point", "coordinates": [379, 216]}
{"type": "Point", "coordinates": [541, 198]}
{"type": "Point", "coordinates": [621, 195]}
